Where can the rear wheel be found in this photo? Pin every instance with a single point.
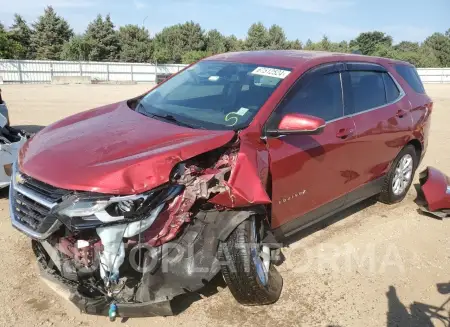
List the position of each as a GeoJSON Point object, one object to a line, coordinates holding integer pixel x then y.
{"type": "Point", "coordinates": [247, 267]}
{"type": "Point", "coordinates": [399, 179]}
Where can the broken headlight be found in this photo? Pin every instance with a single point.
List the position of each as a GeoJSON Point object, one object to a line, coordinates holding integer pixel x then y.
{"type": "Point", "coordinates": [102, 206]}
{"type": "Point", "coordinates": [99, 208]}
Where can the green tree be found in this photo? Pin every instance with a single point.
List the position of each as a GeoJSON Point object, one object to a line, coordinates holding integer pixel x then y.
{"type": "Point", "coordinates": [174, 41]}
{"type": "Point", "coordinates": [294, 45]}
{"type": "Point", "coordinates": [193, 36]}
{"type": "Point", "coordinates": [440, 46]}
{"type": "Point", "coordinates": [193, 56]}
{"type": "Point", "coordinates": [342, 47]}
{"type": "Point", "coordinates": [309, 45]}
{"type": "Point", "coordinates": [8, 47]}
{"type": "Point", "coordinates": [78, 48]}
{"type": "Point", "coordinates": [257, 37]}
{"type": "Point", "coordinates": [232, 43]}
{"type": "Point", "coordinates": [50, 33]}
{"type": "Point", "coordinates": [21, 33]}
{"type": "Point", "coordinates": [367, 42]}
{"type": "Point", "coordinates": [406, 46]}
{"type": "Point", "coordinates": [135, 44]}
{"type": "Point", "coordinates": [277, 38]}
{"type": "Point", "coordinates": [215, 42]}
{"type": "Point", "coordinates": [103, 40]}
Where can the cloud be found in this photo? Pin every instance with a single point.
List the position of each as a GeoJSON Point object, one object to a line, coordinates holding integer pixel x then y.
{"type": "Point", "coordinates": [139, 4]}
{"type": "Point", "coordinates": [338, 31]}
{"type": "Point", "coordinates": [24, 6]}
{"type": "Point", "coordinates": [407, 32]}
{"type": "Point", "coordinates": [312, 6]}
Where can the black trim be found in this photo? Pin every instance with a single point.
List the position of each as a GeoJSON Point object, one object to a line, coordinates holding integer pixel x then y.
{"type": "Point", "coordinates": [329, 209]}
{"type": "Point", "coordinates": [280, 132]}
{"type": "Point", "coordinates": [365, 66]}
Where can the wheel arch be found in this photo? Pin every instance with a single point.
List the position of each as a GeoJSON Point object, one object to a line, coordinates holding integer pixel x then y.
{"type": "Point", "coordinates": [417, 146]}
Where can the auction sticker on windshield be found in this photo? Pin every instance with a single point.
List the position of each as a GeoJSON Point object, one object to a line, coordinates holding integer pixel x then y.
{"type": "Point", "coordinates": [271, 72]}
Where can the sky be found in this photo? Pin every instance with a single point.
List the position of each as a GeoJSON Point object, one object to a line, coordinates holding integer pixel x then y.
{"type": "Point", "coordinates": [411, 20]}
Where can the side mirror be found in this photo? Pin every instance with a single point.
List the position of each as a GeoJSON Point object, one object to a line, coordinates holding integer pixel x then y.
{"type": "Point", "coordinates": [298, 124]}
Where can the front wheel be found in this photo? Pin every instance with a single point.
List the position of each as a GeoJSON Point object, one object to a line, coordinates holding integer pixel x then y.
{"type": "Point", "coordinates": [247, 267]}
{"type": "Point", "coordinates": [400, 176]}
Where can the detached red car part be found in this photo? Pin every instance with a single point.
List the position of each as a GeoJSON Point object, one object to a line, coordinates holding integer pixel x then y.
{"type": "Point", "coordinates": [132, 204]}
{"type": "Point", "coordinates": [436, 190]}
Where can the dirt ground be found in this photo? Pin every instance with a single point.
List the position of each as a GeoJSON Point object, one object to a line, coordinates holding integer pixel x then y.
{"type": "Point", "coordinates": [380, 266]}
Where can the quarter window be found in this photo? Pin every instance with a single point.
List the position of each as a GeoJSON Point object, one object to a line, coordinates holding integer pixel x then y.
{"type": "Point", "coordinates": [318, 95]}
{"type": "Point", "coordinates": [368, 90]}
{"type": "Point", "coordinates": [411, 77]}
{"type": "Point", "coordinates": [392, 91]}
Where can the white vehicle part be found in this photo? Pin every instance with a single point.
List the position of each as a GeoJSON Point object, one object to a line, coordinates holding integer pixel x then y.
{"type": "Point", "coordinates": [3, 119]}
{"type": "Point", "coordinates": [8, 154]}
{"type": "Point", "coordinates": [113, 253]}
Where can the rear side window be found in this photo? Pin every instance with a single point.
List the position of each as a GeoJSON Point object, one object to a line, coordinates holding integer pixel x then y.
{"type": "Point", "coordinates": [319, 95]}
{"type": "Point", "coordinates": [367, 89]}
{"type": "Point", "coordinates": [392, 91]}
{"type": "Point", "coordinates": [411, 77]}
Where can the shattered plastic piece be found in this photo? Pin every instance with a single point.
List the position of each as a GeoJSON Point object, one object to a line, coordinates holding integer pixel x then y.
{"type": "Point", "coordinates": [113, 254]}
{"type": "Point", "coordinates": [435, 187]}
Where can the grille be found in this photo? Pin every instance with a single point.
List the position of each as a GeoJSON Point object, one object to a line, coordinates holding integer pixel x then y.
{"type": "Point", "coordinates": [30, 213]}
{"type": "Point", "coordinates": [50, 193]}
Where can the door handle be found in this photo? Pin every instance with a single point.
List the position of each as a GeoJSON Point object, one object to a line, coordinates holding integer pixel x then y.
{"type": "Point", "coordinates": [401, 113]}
{"type": "Point", "coordinates": [343, 133]}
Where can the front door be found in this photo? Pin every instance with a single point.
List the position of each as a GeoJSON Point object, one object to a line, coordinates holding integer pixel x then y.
{"type": "Point", "coordinates": [310, 174]}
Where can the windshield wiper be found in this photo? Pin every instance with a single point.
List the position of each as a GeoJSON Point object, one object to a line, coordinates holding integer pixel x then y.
{"type": "Point", "coordinates": [169, 118]}
{"type": "Point", "coordinates": [172, 119]}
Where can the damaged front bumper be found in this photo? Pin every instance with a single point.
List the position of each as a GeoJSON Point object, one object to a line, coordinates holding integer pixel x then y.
{"type": "Point", "coordinates": [435, 192]}
{"type": "Point", "coordinates": [100, 305]}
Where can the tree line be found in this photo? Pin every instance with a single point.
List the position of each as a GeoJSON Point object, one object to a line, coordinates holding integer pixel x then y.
{"type": "Point", "coordinates": [52, 38]}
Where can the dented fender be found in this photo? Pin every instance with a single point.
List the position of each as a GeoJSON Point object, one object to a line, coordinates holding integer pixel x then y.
{"type": "Point", "coordinates": [249, 176]}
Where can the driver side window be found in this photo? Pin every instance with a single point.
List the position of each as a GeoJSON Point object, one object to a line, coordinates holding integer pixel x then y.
{"type": "Point", "coordinates": [317, 95]}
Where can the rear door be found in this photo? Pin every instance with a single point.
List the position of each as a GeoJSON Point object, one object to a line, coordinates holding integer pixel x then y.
{"type": "Point", "coordinates": [310, 172]}
{"type": "Point", "coordinates": [382, 117]}
{"type": "Point", "coordinates": [421, 103]}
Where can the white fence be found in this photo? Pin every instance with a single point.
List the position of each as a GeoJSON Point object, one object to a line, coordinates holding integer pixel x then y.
{"type": "Point", "coordinates": [434, 75]}
{"type": "Point", "coordinates": [43, 71]}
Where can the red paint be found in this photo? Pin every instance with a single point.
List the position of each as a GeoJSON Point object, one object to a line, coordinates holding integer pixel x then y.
{"type": "Point", "coordinates": [434, 188]}
{"type": "Point", "coordinates": [299, 122]}
{"type": "Point", "coordinates": [316, 168]}
{"type": "Point", "coordinates": [116, 150]}
{"type": "Point", "coordinates": [113, 150]}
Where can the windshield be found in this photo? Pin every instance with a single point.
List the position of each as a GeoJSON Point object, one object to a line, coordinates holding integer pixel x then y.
{"type": "Point", "coordinates": [213, 95]}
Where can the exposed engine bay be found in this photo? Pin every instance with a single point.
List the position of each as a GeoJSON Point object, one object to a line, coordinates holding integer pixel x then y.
{"type": "Point", "coordinates": [140, 249]}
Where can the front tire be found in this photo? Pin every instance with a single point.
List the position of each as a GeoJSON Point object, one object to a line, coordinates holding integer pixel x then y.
{"type": "Point", "coordinates": [251, 279]}
{"type": "Point", "coordinates": [400, 176]}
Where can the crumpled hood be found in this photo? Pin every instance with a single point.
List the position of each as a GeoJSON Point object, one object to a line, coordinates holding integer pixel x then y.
{"type": "Point", "coordinates": [113, 149]}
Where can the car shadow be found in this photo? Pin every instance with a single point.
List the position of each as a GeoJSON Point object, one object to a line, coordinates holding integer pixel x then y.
{"type": "Point", "coordinates": [182, 302]}
{"type": "Point", "coordinates": [330, 220]}
{"type": "Point", "coordinates": [420, 314]}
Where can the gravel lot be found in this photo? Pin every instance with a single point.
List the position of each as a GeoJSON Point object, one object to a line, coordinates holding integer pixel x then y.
{"type": "Point", "coordinates": [380, 266]}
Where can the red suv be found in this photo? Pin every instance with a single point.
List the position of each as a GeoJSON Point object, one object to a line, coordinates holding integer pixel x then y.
{"type": "Point", "coordinates": [134, 203]}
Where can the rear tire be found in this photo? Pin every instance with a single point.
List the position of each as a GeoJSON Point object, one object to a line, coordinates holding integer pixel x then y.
{"type": "Point", "coordinates": [248, 281]}
{"type": "Point", "coordinates": [399, 178]}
